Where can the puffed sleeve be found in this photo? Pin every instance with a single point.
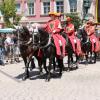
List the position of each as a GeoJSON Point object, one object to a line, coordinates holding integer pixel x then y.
{"type": "Point", "coordinates": [70, 30]}
{"type": "Point", "coordinates": [58, 27]}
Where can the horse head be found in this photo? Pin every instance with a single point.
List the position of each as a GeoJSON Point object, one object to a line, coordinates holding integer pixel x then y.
{"type": "Point", "coordinates": [23, 33]}
{"type": "Point", "coordinates": [40, 37]}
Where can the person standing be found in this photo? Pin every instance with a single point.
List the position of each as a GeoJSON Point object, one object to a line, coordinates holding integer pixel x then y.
{"type": "Point", "coordinates": [2, 49]}
{"type": "Point", "coordinates": [9, 47]}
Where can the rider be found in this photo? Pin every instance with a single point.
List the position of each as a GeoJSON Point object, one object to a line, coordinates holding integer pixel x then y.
{"type": "Point", "coordinates": [53, 26]}
{"type": "Point", "coordinates": [70, 31]}
{"type": "Point", "coordinates": [90, 29]}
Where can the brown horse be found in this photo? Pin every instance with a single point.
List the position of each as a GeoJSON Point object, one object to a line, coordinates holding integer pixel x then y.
{"type": "Point", "coordinates": [27, 49]}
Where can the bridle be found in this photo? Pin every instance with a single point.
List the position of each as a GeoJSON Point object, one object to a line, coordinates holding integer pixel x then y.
{"type": "Point", "coordinates": [39, 44]}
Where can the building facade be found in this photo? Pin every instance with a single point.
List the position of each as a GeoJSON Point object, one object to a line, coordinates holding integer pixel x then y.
{"type": "Point", "coordinates": [34, 11]}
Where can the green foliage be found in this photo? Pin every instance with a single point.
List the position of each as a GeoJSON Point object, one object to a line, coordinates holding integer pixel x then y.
{"type": "Point", "coordinates": [8, 9]}
{"type": "Point", "coordinates": [17, 18]}
{"type": "Point", "coordinates": [75, 19]}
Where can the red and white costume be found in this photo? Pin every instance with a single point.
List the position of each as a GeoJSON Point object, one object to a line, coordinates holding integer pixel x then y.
{"type": "Point", "coordinates": [91, 33]}
{"type": "Point", "coordinates": [70, 31]}
{"type": "Point", "coordinates": [54, 28]}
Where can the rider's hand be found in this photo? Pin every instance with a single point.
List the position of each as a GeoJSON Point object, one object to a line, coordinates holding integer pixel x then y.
{"type": "Point", "coordinates": [54, 31]}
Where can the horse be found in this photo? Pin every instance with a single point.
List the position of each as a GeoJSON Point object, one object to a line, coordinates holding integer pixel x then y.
{"type": "Point", "coordinates": [27, 49]}
{"type": "Point", "coordinates": [45, 42]}
{"type": "Point", "coordinates": [70, 53]}
{"type": "Point", "coordinates": [86, 45]}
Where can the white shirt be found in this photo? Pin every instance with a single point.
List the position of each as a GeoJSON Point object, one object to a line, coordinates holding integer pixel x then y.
{"type": "Point", "coordinates": [9, 41]}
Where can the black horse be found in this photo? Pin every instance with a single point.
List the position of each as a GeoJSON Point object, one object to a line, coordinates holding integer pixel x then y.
{"type": "Point", "coordinates": [86, 45]}
{"type": "Point", "coordinates": [27, 49]}
{"type": "Point", "coordinates": [72, 64]}
{"type": "Point", "coordinates": [45, 42]}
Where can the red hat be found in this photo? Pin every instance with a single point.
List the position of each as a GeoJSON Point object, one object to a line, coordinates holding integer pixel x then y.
{"type": "Point", "coordinates": [68, 19]}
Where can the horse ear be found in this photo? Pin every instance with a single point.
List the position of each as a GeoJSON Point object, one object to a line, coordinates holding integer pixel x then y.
{"type": "Point", "coordinates": [17, 27]}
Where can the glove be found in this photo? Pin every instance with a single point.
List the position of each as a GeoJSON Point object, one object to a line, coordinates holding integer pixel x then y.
{"type": "Point", "coordinates": [54, 31]}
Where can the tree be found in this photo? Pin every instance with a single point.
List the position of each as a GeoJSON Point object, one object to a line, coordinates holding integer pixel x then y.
{"type": "Point", "coordinates": [75, 19]}
{"type": "Point", "coordinates": [17, 18]}
{"type": "Point", "coordinates": [8, 10]}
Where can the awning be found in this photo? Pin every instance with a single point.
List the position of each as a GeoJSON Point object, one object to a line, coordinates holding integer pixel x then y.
{"type": "Point", "coordinates": [7, 30]}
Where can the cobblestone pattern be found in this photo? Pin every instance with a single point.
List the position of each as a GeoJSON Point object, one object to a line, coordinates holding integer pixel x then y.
{"type": "Point", "coordinates": [81, 84]}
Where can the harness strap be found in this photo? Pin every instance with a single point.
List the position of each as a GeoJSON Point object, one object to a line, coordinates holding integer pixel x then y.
{"type": "Point", "coordinates": [49, 42]}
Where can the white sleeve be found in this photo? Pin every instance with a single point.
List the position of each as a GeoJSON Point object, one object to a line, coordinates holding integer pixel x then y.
{"type": "Point", "coordinates": [59, 26]}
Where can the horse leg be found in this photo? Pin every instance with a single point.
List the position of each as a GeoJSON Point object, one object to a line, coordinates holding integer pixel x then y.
{"type": "Point", "coordinates": [40, 65]}
{"type": "Point", "coordinates": [32, 64]}
{"type": "Point", "coordinates": [77, 61]}
{"type": "Point", "coordinates": [44, 65]}
{"type": "Point", "coordinates": [69, 62]}
{"type": "Point", "coordinates": [86, 56]}
{"type": "Point", "coordinates": [26, 74]}
{"type": "Point", "coordinates": [72, 61]}
{"type": "Point", "coordinates": [49, 69]}
{"type": "Point", "coordinates": [60, 64]}
{"type": "Point", "coordinates": [95, 56]}
{"type": "Point", "coordinates": [54, 64]}
{"type": "Point", "coordinates": [91, 56]}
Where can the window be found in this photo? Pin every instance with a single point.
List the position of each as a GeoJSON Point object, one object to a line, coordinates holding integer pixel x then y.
{"type": "Point", "coordinates": [31, 8]}
{"type": "Point", "coordinates": [73, 9]}
{"type": "Point", "coordinates": [18, 7]}
{"type": "Point", "coordinates": [60, 6]}
{"type": "Point", "coordinates": [46, 8]}
{"type": "Point", "coordinates": [73, 5]}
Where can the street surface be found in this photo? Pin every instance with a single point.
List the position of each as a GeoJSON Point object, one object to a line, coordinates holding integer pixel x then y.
{"type": "Point", "coordinates": [80, 84]}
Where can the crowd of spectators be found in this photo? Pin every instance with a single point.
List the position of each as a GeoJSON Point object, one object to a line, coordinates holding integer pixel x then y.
{"type": "Point", "coordinates": [9, 51]}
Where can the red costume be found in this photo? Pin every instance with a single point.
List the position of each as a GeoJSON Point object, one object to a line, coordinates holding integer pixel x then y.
{"type": "Point", "coordinates": [93, 38]}
{"type": "Point", "coordinates": [54, 27]}
{"type": "Point", "coordinates": [70, 31]}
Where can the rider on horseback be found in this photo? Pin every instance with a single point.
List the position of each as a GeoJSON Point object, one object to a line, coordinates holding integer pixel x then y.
{"type": "Point", "coordinates": [53, 26]}
{"type": "Point", "coordinates": [70, 31]}
{"type": "Point", "coordinates": [90, 29]}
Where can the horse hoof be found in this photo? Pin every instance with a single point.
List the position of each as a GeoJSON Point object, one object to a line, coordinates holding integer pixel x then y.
{"type": "Point", "coordinates": [94, 62]}
{"type": "Point", "coordinates": [11, 62]}
{"type": "Point", "coordinates": [65, 69]}
{"type": "Point", "coordinates": [60, 75]}
{"type": "Point", "coordinates": [68, 69]}
{"type": "Point", "coordinates": [76, 67]}
{"type": "Point", "coordinates": [86, 63]}
{"type": "Point", "coordinates": [47, 80]}
{"type": "Point", "coordinates": [41, 73]}
{"type": "Point", "coordinates": [25, 77]}
{"type": "Point", "coordinates": [54, 72]}
{"type": "Point", "coordinates": [31, 68]}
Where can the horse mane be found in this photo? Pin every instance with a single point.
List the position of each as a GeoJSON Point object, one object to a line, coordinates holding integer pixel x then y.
{"type": "Point", "coordinates": [43, 32]}
{"type": "Point", "coordinates": [26, 30]}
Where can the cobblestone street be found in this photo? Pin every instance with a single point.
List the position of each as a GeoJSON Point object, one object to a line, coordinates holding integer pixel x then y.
{"type": "Point", "coordinates": [81, 84]}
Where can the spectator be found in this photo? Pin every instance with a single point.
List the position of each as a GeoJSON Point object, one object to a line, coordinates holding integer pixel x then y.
{"type": "Point", "coordinates": [2, 49]}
